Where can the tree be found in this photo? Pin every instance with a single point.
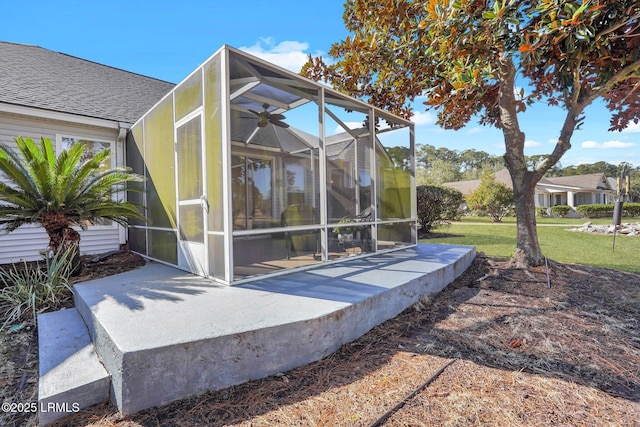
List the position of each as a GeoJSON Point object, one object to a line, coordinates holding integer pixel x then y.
{"type": "Point", "coordinates": [439, 172]}
{"type": "Point", "coordinates": [466, 56]}
{"type": "Point", "coordinates": [425, 154]}
{"type": "Point", "coordinates": [61, 191]}
{"type": "Point", "coordinates": [491, 198]}
{"type": "Point", "coordinates": [473, 162]}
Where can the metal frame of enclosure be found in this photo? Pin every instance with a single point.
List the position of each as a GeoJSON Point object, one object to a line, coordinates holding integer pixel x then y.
{"type": "Point", "coordinates": [255, 171]}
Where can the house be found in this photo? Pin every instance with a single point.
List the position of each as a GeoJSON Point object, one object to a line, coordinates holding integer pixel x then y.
{"type": "Point", "coordinates": [71, 101]}
{"type": "Point", "coordinates": [572, 191]}
{"type": "Point", "coordinates": [251, 170]}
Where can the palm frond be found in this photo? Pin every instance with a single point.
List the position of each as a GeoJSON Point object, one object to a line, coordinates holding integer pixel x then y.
{"type": "Point", "coordinates": [14, 170]}
{"type": "Point", "coordinates": [87, 172]}
{"type": "Point", "coordinates": [47, 150]}
{"type": "Point", "coordinates": [108, 182]}
{"type": "Point", "coordinates": [41, 186]}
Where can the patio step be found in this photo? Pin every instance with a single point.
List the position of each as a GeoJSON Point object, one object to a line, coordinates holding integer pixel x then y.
{"type": "Point", "coordinates": [164, 334]}
{"type": "Point", "coordinates": [71, 375]}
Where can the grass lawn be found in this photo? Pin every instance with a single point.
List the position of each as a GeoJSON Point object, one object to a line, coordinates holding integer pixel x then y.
{"type": "Point", "coordinates": [557, 243]}
{"type": "Point", "coordinates": [544, 220]}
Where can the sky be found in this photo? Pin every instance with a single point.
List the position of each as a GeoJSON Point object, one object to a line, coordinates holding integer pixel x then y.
{"type": "Point", "coordinates": [169, 39]}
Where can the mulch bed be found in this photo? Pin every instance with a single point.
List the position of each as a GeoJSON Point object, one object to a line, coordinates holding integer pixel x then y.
{"type": "Point", "coordinates": [19, 349]}
{"type": "Point", "coordinates": [522, 354]}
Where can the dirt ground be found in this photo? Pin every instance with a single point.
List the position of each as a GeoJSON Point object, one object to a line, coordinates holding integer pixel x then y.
{"type": "Point", "coordinates": [512, 351]}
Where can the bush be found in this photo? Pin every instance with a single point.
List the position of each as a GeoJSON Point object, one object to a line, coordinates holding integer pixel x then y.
{"type": "Point", "coordinates": [561, 210]}
{"type": "Point", "coordinates": [632, 209]}
{"type": "Point", "coordinates": [595, 211]}
{"type": "Point", "coordinates": [435, 205]}
{"type": "Point", "coordinates": [542, 211]}
{"type": "Point", "coordinates": [28, 289]}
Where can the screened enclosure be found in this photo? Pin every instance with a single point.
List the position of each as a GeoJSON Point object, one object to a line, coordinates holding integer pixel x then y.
{"type": "Point", "coordinates": [253, 170]}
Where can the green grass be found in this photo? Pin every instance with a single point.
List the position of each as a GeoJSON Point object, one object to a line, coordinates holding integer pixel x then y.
{"type": "Point", "coordinates": [543, 220]}
{"type": "Point", "coordinates": [556, 243]}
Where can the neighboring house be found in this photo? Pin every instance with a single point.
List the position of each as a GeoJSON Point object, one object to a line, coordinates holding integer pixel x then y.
{"type": "Point", "coordinates": [69, 100]}
{"type": "Point", "coordinates": [572, 191]}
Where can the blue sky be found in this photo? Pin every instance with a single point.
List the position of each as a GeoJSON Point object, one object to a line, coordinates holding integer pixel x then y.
{"type": "Point", "coordinates": [169, 39]}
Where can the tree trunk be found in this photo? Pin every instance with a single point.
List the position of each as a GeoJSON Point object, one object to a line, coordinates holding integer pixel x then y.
{"type": "Point", "coordinates": [524, 182]}
{"type": "Point", "coordinates": [62, 237]}
{"type": "Point", "coordinates": [528, 252]}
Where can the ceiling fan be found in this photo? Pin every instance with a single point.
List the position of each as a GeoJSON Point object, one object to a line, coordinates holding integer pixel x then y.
{"type": "Point", "coordinates": [265, 117]}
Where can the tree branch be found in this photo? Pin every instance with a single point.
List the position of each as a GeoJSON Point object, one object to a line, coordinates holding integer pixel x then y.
{"type": "Point", "coordinates": [563, 144]}
{"type": "Point", "coordinates": [621, 24]}
{"type": "Point", "coordinates": [513, 136]}
{"type": "Point", "coordinates": [632, 70]}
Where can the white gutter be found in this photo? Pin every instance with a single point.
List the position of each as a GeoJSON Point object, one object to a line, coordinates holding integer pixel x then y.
{"type": "Point", "coordinates": [55, 115]}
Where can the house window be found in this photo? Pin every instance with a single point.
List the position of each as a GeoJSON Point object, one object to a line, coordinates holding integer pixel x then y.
{"type": "Point", "coordinates": [93, 147]}
{"type": "Point", "coordinates": [582, 199]}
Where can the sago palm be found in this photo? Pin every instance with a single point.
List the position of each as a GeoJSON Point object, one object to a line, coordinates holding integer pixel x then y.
{"type": "Point", "coordinates": [60, 191]}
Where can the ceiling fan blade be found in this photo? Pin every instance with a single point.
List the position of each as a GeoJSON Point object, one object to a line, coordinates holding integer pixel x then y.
{"type": "Point", "coordinates": [279, 123]}
{"type": "Point", "coordinates": [255, 112]}
{"type": "Point", "coordinates": [276, 117]}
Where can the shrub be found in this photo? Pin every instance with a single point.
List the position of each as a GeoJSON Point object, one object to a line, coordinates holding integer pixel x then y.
{"type": "Point", "coordinates": [595, 211]}
{"type": "Point", "coordinates": [27, 288]}
{"type": "Point", "coordinates": [561, 210]}
{"type": "Point", "coordinates": [491, 198]}
{"type": "Point", "coordinates": [632, 209]}
{"type": "Point", "coordinates": [542, 211]}
{"type": "Point", "coordinates": [435, 205]}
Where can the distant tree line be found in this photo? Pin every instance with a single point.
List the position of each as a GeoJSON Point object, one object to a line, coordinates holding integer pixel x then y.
{"type": "Point", "coordinates": [437, 165]}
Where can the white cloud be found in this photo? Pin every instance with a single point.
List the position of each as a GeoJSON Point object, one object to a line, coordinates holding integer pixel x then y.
{"type": "Point", "coordinates": [607, 144]}
{"type": "Point", "coordinates": [530, 144]}
{"type": "Point", "coordinates": [422, 118]}
{"type": "Point", "coordinates": [632, 128]}
{"type": "Point", "coordinates": [287, 54]}
{"type": "Point", "coordinates": [552, 141]}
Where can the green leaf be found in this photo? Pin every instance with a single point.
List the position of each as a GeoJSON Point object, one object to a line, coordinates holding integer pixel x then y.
{"type": "Point", "coordinates": [513, 21]}
{"type": "Point", "coordinates": [488, 15]}
{"type": "Point", "coordinates": [15, 328]}
{"type": "Point", "coordinates": [581, 9]}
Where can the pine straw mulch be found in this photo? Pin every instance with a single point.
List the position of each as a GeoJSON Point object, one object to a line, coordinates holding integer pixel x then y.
{"type": "Point", "coordinates": [522, 354]}
{"type": "Point", "coordinates": [19, 349]}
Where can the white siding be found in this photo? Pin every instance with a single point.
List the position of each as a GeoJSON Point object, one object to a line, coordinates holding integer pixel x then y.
{"type": "Point", "coordinates": [14, 125]}
{"type": "Point", "coordinates": [27, 242]}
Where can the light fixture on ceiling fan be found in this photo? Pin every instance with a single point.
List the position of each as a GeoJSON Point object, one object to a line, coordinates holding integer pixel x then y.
{"type": "Point", "coordinates": [265, 117]}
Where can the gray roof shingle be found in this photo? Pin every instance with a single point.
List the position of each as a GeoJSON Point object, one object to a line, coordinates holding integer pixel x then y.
{"type": "Point", "coordinates": [589, 182]}
{"type": "Point", "coordinates": [32, 76]}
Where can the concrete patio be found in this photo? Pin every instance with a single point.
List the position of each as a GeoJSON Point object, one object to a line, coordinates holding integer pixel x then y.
{"type": "Point", "coordinates": [160, 334]}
